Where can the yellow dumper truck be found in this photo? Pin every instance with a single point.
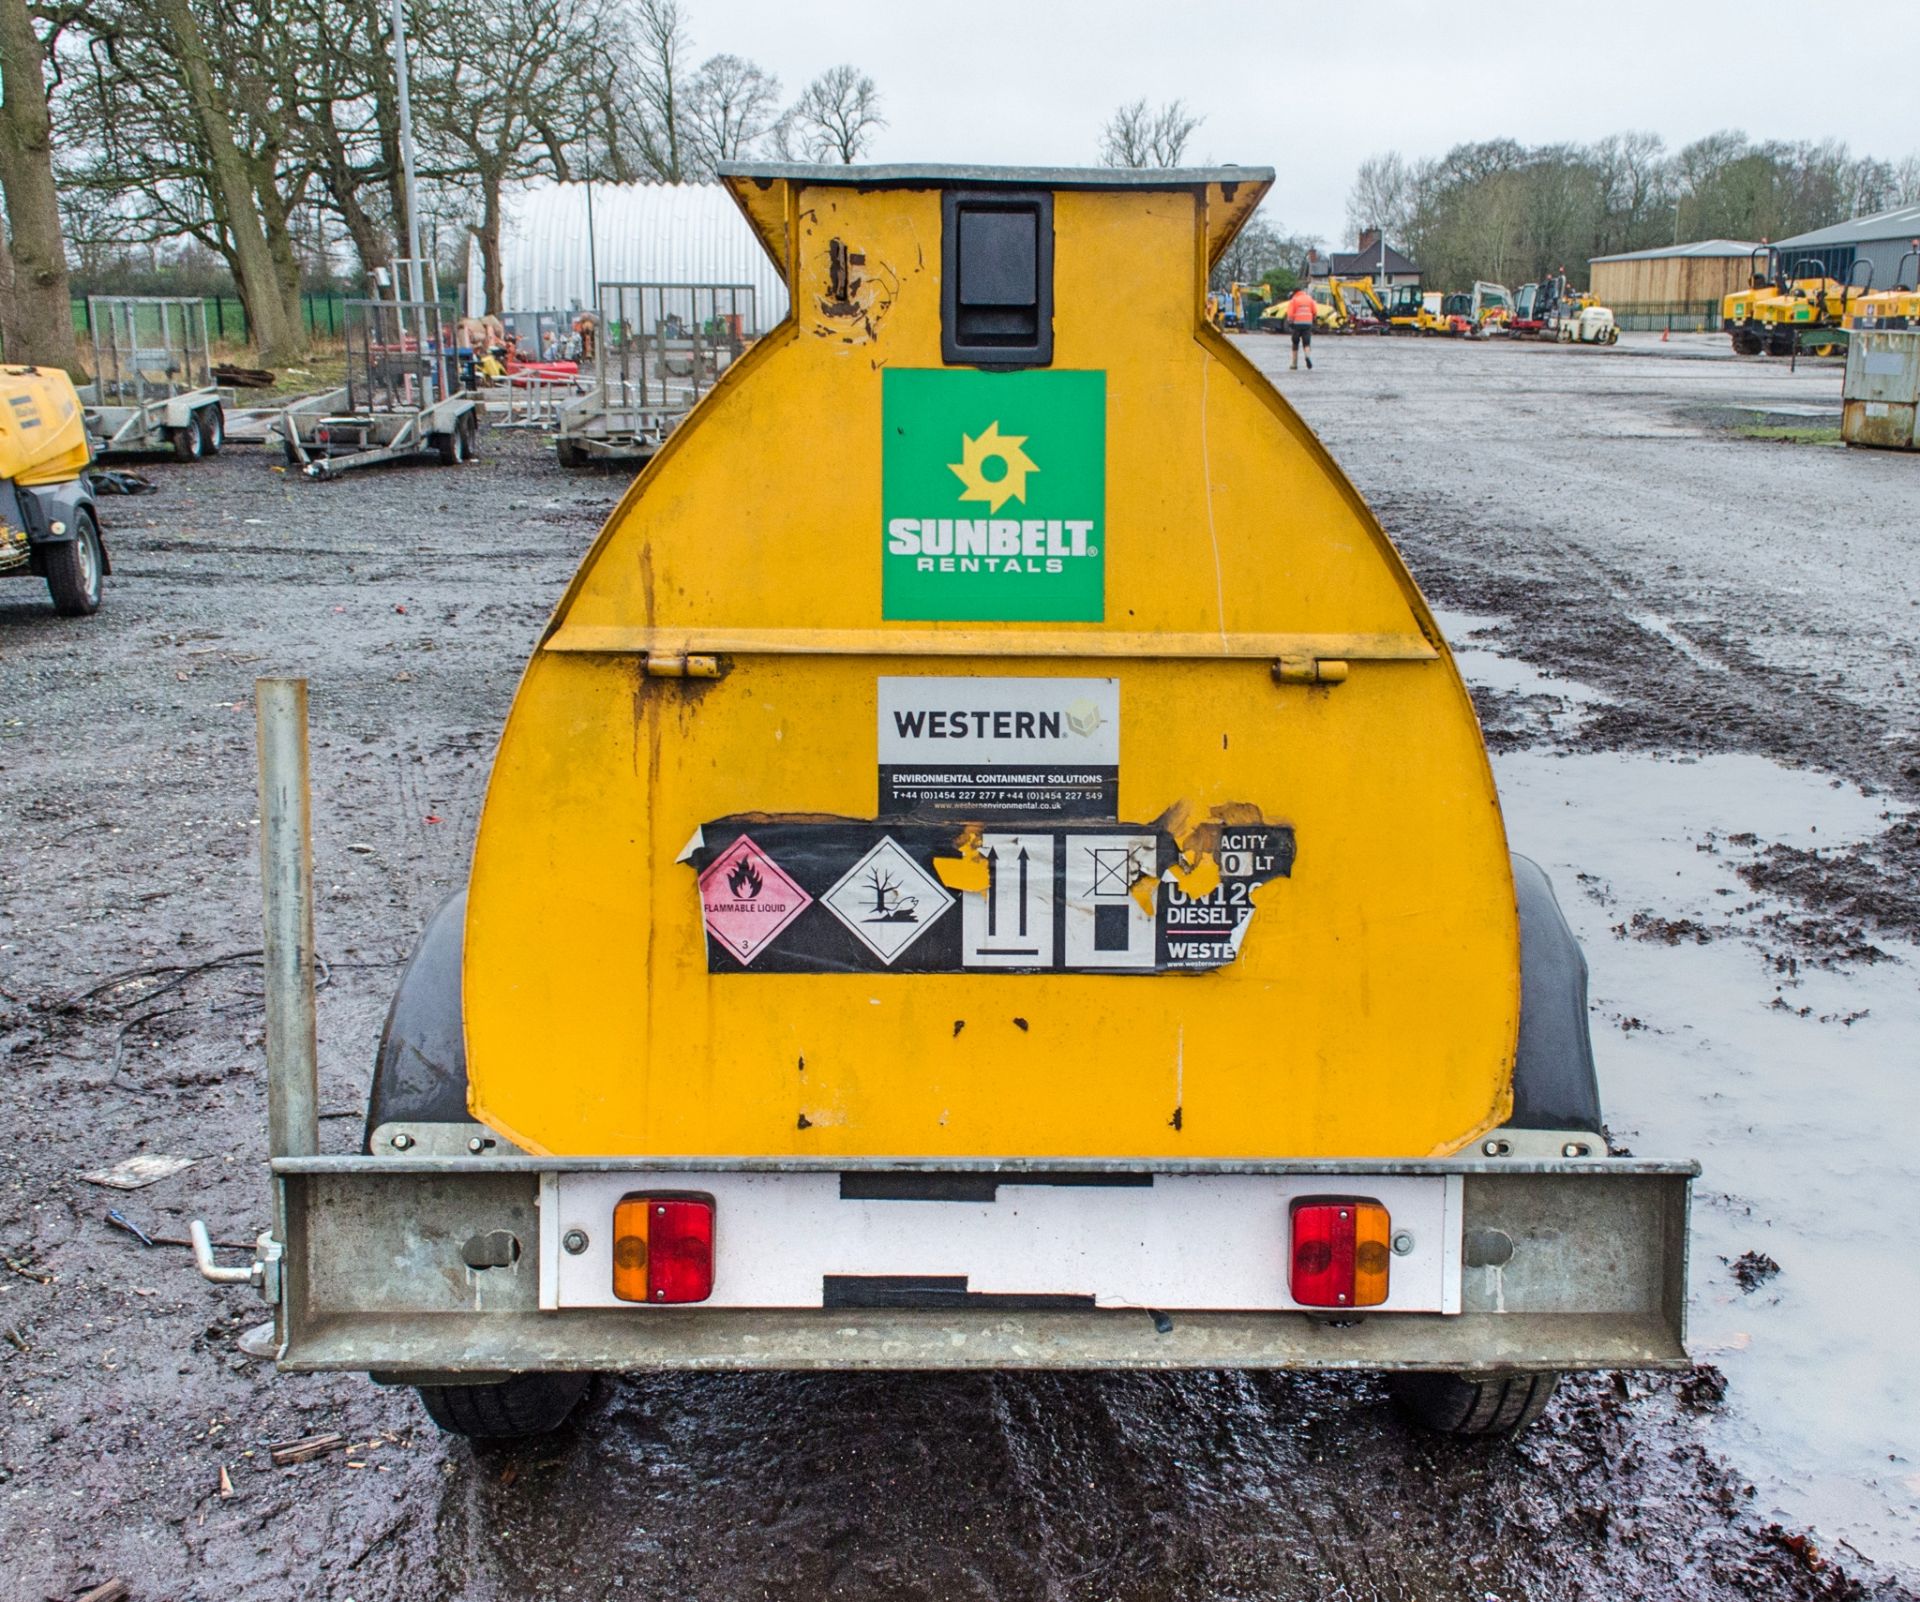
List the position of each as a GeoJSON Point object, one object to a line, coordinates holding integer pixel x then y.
{"type": "Point", "coordinates": [991, 865]}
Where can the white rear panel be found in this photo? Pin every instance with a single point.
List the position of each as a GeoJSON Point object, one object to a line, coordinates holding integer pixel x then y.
{"type": "Point", "coordinates": [1185, 1241]}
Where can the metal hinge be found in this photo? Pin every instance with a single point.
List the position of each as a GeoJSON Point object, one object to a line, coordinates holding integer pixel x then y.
{"type": "Point", "coordinates": [682, 667]}
{"type": "Point", "coordinates": [1309, 670]}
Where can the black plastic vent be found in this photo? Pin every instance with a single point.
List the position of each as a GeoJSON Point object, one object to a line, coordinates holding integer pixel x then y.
{"type": "Point", "coordinates": [996, 289]}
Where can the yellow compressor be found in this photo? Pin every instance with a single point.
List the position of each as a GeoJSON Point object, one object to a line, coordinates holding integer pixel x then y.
{"type": "Point", "coordinates": [991, 863]}
{"type": "Point", "coordinates": [49, 527]}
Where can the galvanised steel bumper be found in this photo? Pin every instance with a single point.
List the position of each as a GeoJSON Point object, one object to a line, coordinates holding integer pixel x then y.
{"type": "Point", "coordinates": [1563, 1265]}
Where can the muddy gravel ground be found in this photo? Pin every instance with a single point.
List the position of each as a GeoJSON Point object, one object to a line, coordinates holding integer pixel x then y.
{"type": "Point", "coordinates": [1596, 503]}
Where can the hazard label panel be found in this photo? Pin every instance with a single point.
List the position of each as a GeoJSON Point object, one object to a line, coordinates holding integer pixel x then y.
{"type": "Point", "coordinates": [987, 748]}
{"type": "Point", "coordinates": [847, 895]}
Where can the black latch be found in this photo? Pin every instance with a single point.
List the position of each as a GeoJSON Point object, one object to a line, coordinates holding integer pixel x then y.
{"type": "Point", "coordinates": [996, 288]}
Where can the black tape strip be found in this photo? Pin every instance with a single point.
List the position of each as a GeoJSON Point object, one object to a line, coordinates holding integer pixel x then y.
{"type": "Point", "coordinates": [932, 1293]}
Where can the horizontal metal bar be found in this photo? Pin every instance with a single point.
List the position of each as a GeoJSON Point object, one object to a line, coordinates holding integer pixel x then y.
{"type": "Point", "coordinates": [620, 640]}
{"type": "Point", "coordinates": [686, 1338]}
{"type": "Point", "coordinates": [397, 1166]}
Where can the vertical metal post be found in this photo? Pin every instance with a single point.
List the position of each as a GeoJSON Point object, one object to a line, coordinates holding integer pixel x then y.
{"type": "Point", "coordinates": [286, 883]}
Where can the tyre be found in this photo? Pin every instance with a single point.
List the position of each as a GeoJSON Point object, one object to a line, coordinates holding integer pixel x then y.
{"type": "Point", "coordinates": [1473, 1404]}
{"type": "Point", "coordinates": [470, 427]}
{"type": "Point", "coordinates": [1745, 342]}
{"type": "Point", "coordinates": [74, 569]}
{"type": "Point", "coordinates": [452, 446]}
{"type": "Point", "coordinates": [212, 424]}
{"type": "Point", "coordinates": [569, 454]}
{"type": "Point", "coordinates": [520, 1404]}
{"type": "Point", "coordinates": [189, 444]}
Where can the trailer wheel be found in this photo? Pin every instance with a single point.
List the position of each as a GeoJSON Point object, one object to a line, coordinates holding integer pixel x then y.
{"type": "Point", "coordinates": [212, 423]}
{"type": "Point", "coordinates": [74, 569]}
{"type": "Point", "coordinates": [470, 426]}
{"type": "Point", "coordinates": [520, 1404]}
{"type": "Point", "coordinates": [1473, 1404]}
{"type": "Point", "coordinates": [189, 444]}
{"type": "Point", "coordinates": [453, 446]}
{"type": "Point", "coordinates": [569, 454]}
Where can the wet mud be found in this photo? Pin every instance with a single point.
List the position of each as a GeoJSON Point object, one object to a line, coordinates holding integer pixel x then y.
{"type": "Point", "coordinates": [134, 1436]}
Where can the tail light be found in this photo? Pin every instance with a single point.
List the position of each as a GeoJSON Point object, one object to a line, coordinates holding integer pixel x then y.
{"type": "Point", "coordinates": [1341, 1249]}
{"type": "Point", "coordinates": [663, 1249]}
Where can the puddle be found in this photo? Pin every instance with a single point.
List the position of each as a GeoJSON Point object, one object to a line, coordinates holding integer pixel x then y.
{"type": "Point", "coordinates": [1794, 1084]}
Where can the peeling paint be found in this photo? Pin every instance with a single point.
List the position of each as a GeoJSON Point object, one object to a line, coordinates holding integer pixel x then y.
{"type": "Point", "coordinates": [859, 293]}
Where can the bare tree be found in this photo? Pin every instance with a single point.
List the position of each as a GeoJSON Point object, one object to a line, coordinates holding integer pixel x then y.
{"type": "Point", "coordinates": [36, 316]}
{"type": "Point", "coordinates": [1137, 136]}
{"type": "Point", "coordinates": [730, 106]}
{"type": "Point", "coordinates": [659, 61]}
{"type": "Point", "coordinates": [1382, 196]}
{"type": "Point", "coordinates": [835, 117]}
{"type": "Point", "coordinates": [497, 101]}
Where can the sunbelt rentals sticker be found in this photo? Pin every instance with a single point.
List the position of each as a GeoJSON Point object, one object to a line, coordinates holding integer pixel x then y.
{"type": "Point", "coordinates": [993, 496]}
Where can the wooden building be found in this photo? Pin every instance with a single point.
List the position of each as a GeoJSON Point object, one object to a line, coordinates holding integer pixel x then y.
{"type": "Point", "coordinates": [1677, 285]}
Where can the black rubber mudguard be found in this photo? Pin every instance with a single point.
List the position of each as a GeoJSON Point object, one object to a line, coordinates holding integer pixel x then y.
{"type": "Point", "coordinates": [420, 1074]}
{"type": "Point", "coordinates": [1554, 1083]}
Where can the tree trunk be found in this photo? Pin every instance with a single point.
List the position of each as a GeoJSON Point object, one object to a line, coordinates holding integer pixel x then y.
{"type": "Point", "coordinates": [286, 262]}
{"type": "Point", "coordinates": [487, 231]}
{"type": "Point", "coordinates": [40, 309]}
{"type": "Point", "coordinates": [279, 339]}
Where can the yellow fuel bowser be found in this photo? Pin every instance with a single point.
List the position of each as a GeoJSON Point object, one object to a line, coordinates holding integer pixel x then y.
{"type": "Point", "coordinates": [991, 863]}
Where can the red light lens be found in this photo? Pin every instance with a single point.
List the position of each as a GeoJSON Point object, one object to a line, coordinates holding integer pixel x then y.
{"type": "Point", "coordinates": [679, 1251]}
{"type": "Point", "coordinates": [1340, 1256]}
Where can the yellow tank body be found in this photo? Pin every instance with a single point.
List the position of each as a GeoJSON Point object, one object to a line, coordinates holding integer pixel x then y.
{"type": "Point", "coordinates": [734, 893]}
{"type": "Point", "coordinates": [43, 436]}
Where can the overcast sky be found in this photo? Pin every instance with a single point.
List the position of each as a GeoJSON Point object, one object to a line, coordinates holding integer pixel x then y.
{"type": "Point", "coordinates": [1034, 81]}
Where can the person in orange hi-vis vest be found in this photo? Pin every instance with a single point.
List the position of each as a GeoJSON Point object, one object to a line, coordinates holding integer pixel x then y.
{"type": "Point", "coordinates": [1300, 310]}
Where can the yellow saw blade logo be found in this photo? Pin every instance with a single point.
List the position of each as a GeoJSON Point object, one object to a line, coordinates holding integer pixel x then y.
{"type": "Point", "coordinates": [992, 445]}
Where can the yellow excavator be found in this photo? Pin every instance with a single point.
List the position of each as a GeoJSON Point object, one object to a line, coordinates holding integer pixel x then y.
{"type": "Point", "coordinates": [49, 527]}
{"type": "Point", "coordinates": [1781, 309]}
{"type": "Point", "coordinates": [1342, 306]}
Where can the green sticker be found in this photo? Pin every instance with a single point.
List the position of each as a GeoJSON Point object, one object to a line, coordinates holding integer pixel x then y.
{"type": "Point", "coordinates": [993, 496]}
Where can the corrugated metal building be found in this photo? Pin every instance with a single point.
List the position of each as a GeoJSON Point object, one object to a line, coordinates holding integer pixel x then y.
{"type": "Point", "coordinates": [1882, 238]}
{"type": "Point", "coordinates": [642, 233]}
{"type": "Point", "coordinates": [1678, 286]}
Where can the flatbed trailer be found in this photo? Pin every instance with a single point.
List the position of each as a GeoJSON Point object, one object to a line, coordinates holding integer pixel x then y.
{"type": "Point", "coordinates": [965, 885]}
{"type": "Point", "coordinates": [403, 397]}
{"type": "Point", "coordinates": [154, 389]}
{"type": "Point", "coordinates": [657, 348]}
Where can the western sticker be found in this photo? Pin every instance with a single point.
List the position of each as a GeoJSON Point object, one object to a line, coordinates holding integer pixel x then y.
{"type": "Point", "coordinates": [993, 495]}
{"type": "Point", "coordinates": [745, 899]}
{"type": "Point", "coordinates": [987, 748]}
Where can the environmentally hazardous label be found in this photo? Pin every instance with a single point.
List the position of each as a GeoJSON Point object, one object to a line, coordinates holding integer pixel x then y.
{"type": "Point", "coordinates": [993, 495]}
{"type": "Point", "coordinates": [994, 747]}
{"type": "Point", "coordinates": [746, 900]}
{"type": "Point", "coordinates": [1032, 897]}
{"type": "Point", "coordinates": [887, 900]}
